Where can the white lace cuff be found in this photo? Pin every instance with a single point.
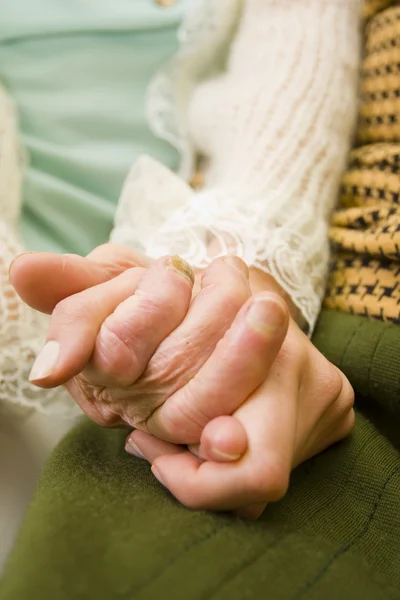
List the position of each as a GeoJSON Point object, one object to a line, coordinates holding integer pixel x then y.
{"type": "Point", "coordinates": [160, 214]}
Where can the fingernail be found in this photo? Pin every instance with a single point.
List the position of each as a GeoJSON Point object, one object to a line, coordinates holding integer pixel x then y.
{"type": "Point", "coordinates": [224, 456]}
{"type": "Point", "coordinates": [132, 449]}
{"type": "Point", "coordinates": [266, 314]}
{"type": "Point", "coordinates": [180, 266]}
{"type": "Point", "coordinates": [45, 362]}
{"type": "Point", "coordinates": [237, 264]}
{"type": "Point", "coordinates": [157, 475]}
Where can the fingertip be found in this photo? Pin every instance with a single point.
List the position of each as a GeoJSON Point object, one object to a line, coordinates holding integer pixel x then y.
{"type": "Point", "coordinates": [19, 271]}
{"type": "Point", "coordinates": [15, 264]}
{"type": "Point", "coordinates": [268, 314]}
{"type": "Point", "coordinates": [224, 439]}
{"type": "Point", "coordinates": [45, 363]}
{"type": "Point", "coordinates": [179, 266]}
{"type": "Point", "coordinates": [231, 271]}
{"type": "Point", "coordinates": [42, 279]}
{"type": "Point", "coordinates": [238, 264]}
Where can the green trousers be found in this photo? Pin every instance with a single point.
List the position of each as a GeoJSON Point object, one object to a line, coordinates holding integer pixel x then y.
{"type": "Point", "coordinates": [101, 527]}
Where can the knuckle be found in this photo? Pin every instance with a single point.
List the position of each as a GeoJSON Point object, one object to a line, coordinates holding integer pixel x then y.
{"type": "Point", "coordinates": [72, 309]}
{"type": "Point", "coordinates": [271, 481]}
{"type": "Point", "coordinates": [168, 368]}
{"type": "Point", "coordinates": [293, 355]}
{"type": "Point", "coordinates": [339, 391]}
{"type": "Point", "coordinates": [347, 393]}
{"type": "Point", "coordinates": [340, 404]}
{"type": "Point", "coordinates": [333, 381]}
{"type": "Point", "coordinates": [183, 422]}
{"type": "Point", "coordinates": [113, 354]}
{"type": "Point", "coordinates": [324, 379]}
{"type": "Point", "coordinates": [156, 305]}
{"type": "Point", "coordinates": [344, 426]}
{"type": "Point", "coordinates": [94, 401]}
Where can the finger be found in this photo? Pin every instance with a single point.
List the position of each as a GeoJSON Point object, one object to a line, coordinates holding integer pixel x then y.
{"type": "Point", "coordinates": [147, 447]}
{"type": "Point", "coordinates": [262, 475]}
{"type": "Point", "coordinates": [74, 326]}
{"type": "Point", "coordinates": [224, 290]}
{"type": "Point", "coordinates": [238, 365]}
{"type": "Point", "coordinates": [130, 335]}
{"type": "Point", "coordinates": [223, 439]}
{"type": "Point", "coordinates": [152, 448]}
{"type": "Point", "coordinates": [43, 279]}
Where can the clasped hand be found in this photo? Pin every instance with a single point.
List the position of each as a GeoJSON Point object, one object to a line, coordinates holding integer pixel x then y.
{"type": "Point", "coordinates": [225, 393]}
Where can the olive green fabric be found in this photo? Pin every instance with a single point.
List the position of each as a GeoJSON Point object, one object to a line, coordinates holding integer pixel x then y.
{"type": "Point", "coordinates": [100, 527]}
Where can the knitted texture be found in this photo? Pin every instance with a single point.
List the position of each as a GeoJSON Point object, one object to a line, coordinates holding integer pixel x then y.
{"type": "Point", "coordinates": [273, 126]}
{"type": "Point", "coordinates": [371, 7]}
{"type": "Point", "coordinates": [366, 228]}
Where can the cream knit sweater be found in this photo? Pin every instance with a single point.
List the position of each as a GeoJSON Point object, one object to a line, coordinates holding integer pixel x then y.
{"type": "Point", "coordinates": [273, 113]}
{"type": "Point", "coordinates": [265, 91]}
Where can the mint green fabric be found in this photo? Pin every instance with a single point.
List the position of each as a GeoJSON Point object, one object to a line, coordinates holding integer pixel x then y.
{"type": "Point", "coordinates": [78, 72]}
{"type": "Point", "coordinates": [102, 528]}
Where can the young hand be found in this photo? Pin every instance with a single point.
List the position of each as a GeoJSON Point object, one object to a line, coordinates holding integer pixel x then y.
{"type": "Point", "coordinates": [304, 405]}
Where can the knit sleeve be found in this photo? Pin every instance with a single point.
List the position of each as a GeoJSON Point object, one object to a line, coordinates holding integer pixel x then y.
{"type": "Point", "coordinates": [274, 126]}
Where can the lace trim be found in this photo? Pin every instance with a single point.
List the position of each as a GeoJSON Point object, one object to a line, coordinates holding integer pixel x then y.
{"type": "Point", "coordinates": [22, 330]}
{"type": "Point", "coordinates": [184, 221]}
{"type": "Point", "coordinates": [289, 242]}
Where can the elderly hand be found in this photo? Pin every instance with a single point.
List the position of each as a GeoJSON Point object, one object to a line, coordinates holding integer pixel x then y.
{"type": "Point", "coordinates": [133, 347]}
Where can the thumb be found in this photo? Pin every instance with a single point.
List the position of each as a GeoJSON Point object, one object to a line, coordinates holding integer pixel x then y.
{"type": "Point", "coordinates": [43, 279]}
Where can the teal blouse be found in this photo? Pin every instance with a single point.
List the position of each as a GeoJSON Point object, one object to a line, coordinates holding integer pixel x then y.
{"type": "Point", "coordinates": [78, 71]}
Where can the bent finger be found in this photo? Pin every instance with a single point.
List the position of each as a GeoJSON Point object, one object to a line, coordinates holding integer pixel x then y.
{"type": "Point", "coordinates": [43, 279]}
{"type": "Point", "coordinates": [223, 439]}
{"type": "Point", "coordinates": [146, 447]}
{"type": "Point", "coordinates": [261, 476]}
{"type": "Point", "coordinates": [238, 365]}
{"type": "Point", "coordinates": [74, 326]}
{"type": "Point", "coordinates": [130, 335]}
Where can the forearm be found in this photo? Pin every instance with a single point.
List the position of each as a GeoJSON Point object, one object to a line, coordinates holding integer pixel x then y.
{"type": "Point", "coordinates": [278, 136]}
{"type": "Point", "coordinates": [274, 126]}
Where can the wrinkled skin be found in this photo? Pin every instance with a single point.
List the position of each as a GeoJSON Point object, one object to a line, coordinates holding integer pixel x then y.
{"type": "Point", "coordinates": [183, 365]}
